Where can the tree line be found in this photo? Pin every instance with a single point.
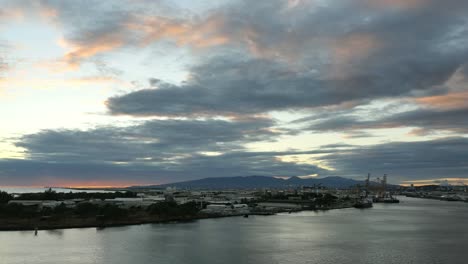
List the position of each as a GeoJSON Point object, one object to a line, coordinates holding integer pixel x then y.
{"type": "Point", "coordinates": [60, 196]}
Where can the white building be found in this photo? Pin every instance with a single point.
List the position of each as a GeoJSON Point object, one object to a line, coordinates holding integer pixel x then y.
{"type": "Point", "coordinates": [227, 209]}
{"type": "Point", "coordinates": [39, 203]}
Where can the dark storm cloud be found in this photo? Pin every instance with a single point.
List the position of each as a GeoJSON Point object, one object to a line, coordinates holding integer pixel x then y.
{"type": "Point", "coordinates": [401, 160]}
{"type": "Point", "coordinates": [158, 140]}
{"type": "Point", "coordinates": [429, 119]}
{"type": "Point", "coordinates": [224, 87]}
{"type": "Point", "coordinates": [405, 160]}
{"type": "Point", "coordinates": [364, 54]}
{"type": "Point", "coordinates": [30, 172]}
{"type": "Point", "coordinates": [155, 151]}
{"type": "Point", "coordinates": [305, 55]}
{"type": "Point", "coordinates": [36, 172]}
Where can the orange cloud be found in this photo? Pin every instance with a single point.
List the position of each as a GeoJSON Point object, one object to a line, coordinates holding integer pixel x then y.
{"type": "Point", "coordinates": [419, 132]}
{"type": "Point", "coordinates": [197, 35]}
{"type": "Point", "coordinates": [101, 44]}
{"type": "Point", "coordinates": [401, 4]}
{"type": "Point", "coordinates": [91, 183]}
{"type": "Point", "coordinates": [56, 66]}
{"type": "Point", "coordinates": [251, 38]}
{"type": "Point", "coordinates": [150, 29]}
{"type": "Point", "coordinates": [348, 49]}
{"type": "Point", "coordinates": [452, 181]}
{"type": "Point", "coordinates": [354, 46]}
{"type": "Point", "coordinates": [448, 101]}
{"type": "Point", "coordinates": [11, 14]}
{"type": "Point", "coordinates": [59, 82]}
{"type": "Point", "coordinates": [48, 12]}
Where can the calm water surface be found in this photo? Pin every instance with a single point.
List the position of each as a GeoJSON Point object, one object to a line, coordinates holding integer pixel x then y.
{"type": "Point", "coordinates": [414, 231]}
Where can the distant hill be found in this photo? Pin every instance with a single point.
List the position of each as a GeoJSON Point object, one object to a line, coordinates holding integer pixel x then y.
{"type": "Point", "coordinates": [253, 182]}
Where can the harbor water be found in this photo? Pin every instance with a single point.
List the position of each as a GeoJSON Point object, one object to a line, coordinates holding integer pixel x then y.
{"type": "Point", "coordinates": [414, 231]}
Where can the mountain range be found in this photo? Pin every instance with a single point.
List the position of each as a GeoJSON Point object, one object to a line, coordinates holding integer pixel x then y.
{"type": "Point", "coordinates": [254, 182]}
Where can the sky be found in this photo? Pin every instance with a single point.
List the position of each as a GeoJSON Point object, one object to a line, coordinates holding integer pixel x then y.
{"type": "Point", "coordinates": [119, 93]}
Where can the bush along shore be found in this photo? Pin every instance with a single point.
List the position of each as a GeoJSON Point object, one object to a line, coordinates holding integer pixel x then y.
{"type": "Point", "coordinates": [86, 212]}
{"type": "Point", "coordinates": [89, 210]}
{"type": "Point", "coordinates": [19, 217]}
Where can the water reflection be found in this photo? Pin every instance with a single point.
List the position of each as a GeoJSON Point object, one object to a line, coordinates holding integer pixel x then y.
{"type": "Point", "coordinates": [56, 232]}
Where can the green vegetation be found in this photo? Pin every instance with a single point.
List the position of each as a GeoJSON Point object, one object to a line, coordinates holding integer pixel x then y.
{"type": "Point", "coordinates": [327, 199]}
{"type": "Point", "coordinates": [172, 209]}
{"type": "Point", "coordinates": [5, 197]}
{"type": "Point", "coordinates": [319, 199]}
{"type": "Point", "coordinates": [17, 210]}
{"type": "Point", "coordinates": [85, 213]}
{"type": "Point", "coordinates": [53, 195]}
{"type": "Point", "coordinates": [107, 211]}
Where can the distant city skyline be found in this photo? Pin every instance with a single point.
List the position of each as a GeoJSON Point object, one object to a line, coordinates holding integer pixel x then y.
{"type": "Point", "coordinates": [107, 93]}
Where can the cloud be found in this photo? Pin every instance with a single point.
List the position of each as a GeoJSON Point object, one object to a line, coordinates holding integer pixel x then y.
{"type": "Point", "coordinates": [7, 63]}
{"type": "Point", "coordinates": [342, 53]}
{"type": "Point", "coordinates": [228, 86]}
{"type": "Point", "coordinates": [424, 119]}
{"type": "Point", "coordinates": [43, 83]}
{"type": "Point", "coordinates": [221, 87]}
{"type": "Point", "coordinates": [401, 160]}
{"type": "Point", "coordinates": [96, 28]}
{"type": "Point", "coordinates": [405, 160]}
{"type": "Point", "coordinates": [400, 4]}
{"type": "Point", "coordinates": [40, 173]}
{"type": "Point", "coordinates": [354, 46]}
{"type": "Point", "coordinates": [198, 34]}
{"type": "Point", "coordinates": [301, 32]}
{"type": "Point", "coordinates": [331, 58]}
{"type": "Point", "coordinates": [154, 151]}
{"type": "Point", "coordinates": [81, 52]}
{"type": "Point", "coordinates": [3, 65]}
{"type": "Point", "coordinates": [447, 101]}
{"type": "Point", "coordinates": [441, 181]}
{"type": "Point", "coordinates": [31, 172]}
{"type": "Point", "coordinates": [91, 29]}
{"type": "Point", "coordinates": [10, 12]}
{"type": "Point", "coordinates": [157, 140]}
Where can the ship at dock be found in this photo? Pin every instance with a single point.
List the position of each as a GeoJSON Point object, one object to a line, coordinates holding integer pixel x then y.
{"type": "Point", "coordinates": [364, 201]}
{"type": "Point", "coordinates": [382, 194]}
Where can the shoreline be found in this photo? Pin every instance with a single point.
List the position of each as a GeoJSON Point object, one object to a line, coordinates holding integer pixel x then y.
{"type": "Point", "coordinates": [12, 224]}
{"type": "Point", "coordinates": [113, 223]}
{"type": "Point", "coordinates": [89, 223]}
{"type": "Point", "coordinates": [436, 198]}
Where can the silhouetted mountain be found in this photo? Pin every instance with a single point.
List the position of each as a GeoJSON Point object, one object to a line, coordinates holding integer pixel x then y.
{"type": "Point", "coordinates": [252, 182]}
